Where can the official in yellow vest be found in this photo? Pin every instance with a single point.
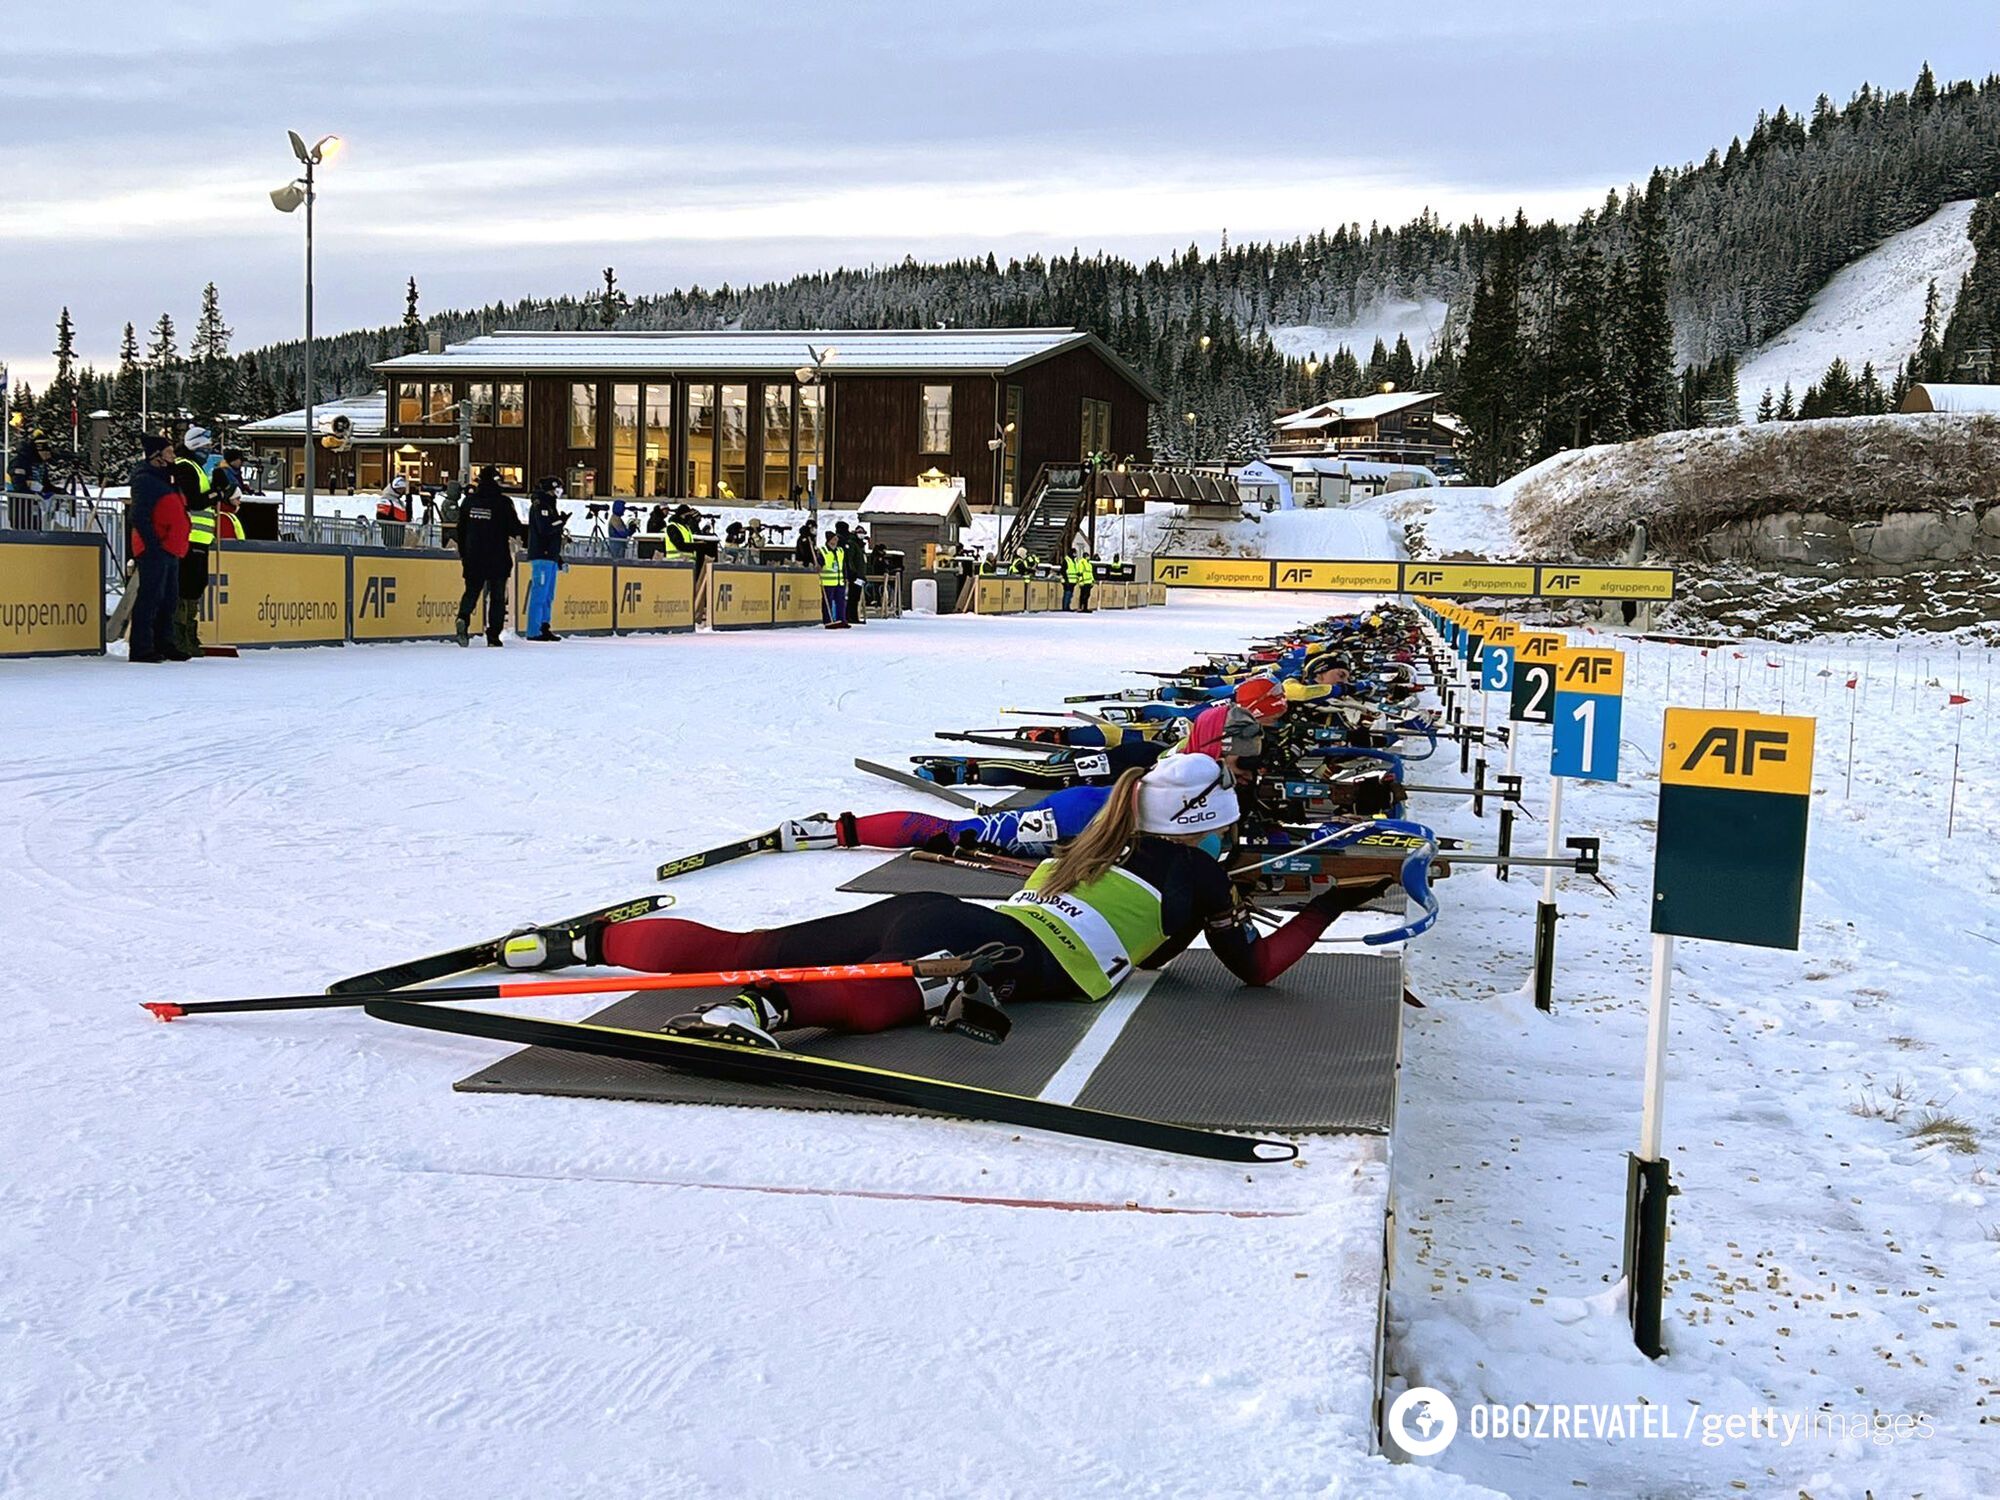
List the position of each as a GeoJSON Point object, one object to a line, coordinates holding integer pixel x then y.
{"type": "Point", "coordinates": [833, 582]}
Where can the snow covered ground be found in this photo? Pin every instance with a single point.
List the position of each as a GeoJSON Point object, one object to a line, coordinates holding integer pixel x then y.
{"type": "Point", "coordinates": [276, 1255]}
{"type": "Point", "coordinates": [1829, 1254]}
{"type": "Point", "coordinates": [1416, 319]}
{"type": "Point", "coordinates": [1872, 309]}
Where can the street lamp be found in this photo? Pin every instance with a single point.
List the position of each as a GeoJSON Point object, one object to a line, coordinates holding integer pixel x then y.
{"type": "Point", "coordinates": [994, 445]}
{"type": "Point", "coordinates": [815, 374]}
{"type": "Point", "coordinates": [287, 200]}
{"type": "Point", "coordinates": [1194, 438]}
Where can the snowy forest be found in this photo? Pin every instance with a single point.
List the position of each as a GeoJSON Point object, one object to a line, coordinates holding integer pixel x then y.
{"type": "Point", "coordinates": [1625, 322]}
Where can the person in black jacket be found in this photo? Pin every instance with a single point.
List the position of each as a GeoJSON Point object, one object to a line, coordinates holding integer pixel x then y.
{"type": "Point", "coordinates": [487, 526]}
{"type": "Point", "coordinates": [545, 544]}
{"type": "Point", "coordinates": [854, 564]}
{"type": "Point", "coordinates": [159, 539]}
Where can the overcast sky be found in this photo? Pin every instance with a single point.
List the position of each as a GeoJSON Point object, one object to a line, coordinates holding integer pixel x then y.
{"type": "Point", "coordinates": [498, 149]}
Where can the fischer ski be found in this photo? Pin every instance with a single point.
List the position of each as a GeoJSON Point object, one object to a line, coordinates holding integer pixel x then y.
{"type": "Point", "coordinates": [483, 955]}
{"type": "Point", "coordinates": [725, 1060]}
{"type": "Point", "coordinates": [948, 794]}
{"type": "Point", "coordinates": [761, 843]}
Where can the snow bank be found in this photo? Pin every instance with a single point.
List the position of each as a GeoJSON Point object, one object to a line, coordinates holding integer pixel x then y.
{"type": "Point", "coordinates": [1870, 310]}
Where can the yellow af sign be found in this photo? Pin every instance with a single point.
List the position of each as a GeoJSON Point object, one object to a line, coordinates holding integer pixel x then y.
{"type": "Point", "coordinates": [1341, 577]}
{"type": "Point", "coordinates": [1607, 583]}
{"type": "Point", "coordinates": [1738, 751]}
{"type": "Point", "coordinates": [1516, 579]}
{"type": "Point", "coordinates": [1591, 669]}
{"type": "Point", "coordinates": [1537, 645]}
{"type": "Point", "coordinates": [1501, 633]}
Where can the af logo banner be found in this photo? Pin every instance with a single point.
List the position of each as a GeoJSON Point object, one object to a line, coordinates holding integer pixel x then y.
{"type": "Point", "coordinates": [1735, 799]}
{"type": "Point", "coordinates": [1589, 713]}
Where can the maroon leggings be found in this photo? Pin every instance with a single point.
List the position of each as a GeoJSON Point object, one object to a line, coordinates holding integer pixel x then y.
{"type": "Point", "coordinates": [901, 927]}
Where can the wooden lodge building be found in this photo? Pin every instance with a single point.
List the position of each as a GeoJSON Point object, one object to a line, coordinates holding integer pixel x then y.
{"type": "Point", "coordinates": [1390, 426]}
{"type": "Point", "coordinates": [740, 415]}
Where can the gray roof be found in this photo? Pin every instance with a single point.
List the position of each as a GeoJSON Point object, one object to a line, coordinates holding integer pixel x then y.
{"type": "Point", "coordinates": [369, 414]}
{"type": "Point", "coordinates": [897, 351]}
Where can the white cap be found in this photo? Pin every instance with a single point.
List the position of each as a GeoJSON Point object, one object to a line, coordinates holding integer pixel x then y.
{"type": "Point", "coordinates": [399, 483]}
{"type": "Point", "coordinates": [197, 437]}
{"type": "Point", "coordinates": [1186, 794]}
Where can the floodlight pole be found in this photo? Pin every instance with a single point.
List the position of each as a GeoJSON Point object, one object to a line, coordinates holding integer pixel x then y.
{"type": "Point", "coordinates": [311, 440]}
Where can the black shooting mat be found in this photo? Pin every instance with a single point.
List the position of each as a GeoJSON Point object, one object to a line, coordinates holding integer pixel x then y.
{"type": "Point", "coordinates": [908, 873]}
{"type": "Point", "coordinates": [1316, 1053]}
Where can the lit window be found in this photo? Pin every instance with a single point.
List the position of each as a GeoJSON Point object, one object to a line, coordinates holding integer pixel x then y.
{"type": "Point", "coordinates": [409, 402]}
{"type": "Point", "coordinates": [443, 405]}
{"type": "Point", "coordinates": [513, 403]}
{"type": "Point", "coordinates": [936, 427]}
{"type": "Point", "coordinates": [1096, 427]}
{"type": "Point", "coordinates": [480, 393]}
{"type": "Point", "coordinates": [583, 415]}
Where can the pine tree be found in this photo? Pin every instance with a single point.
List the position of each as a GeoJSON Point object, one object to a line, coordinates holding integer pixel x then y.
{"type": "Point", "coordinates": [1786, 412]}
{"type": "Point", "coordinates": [413, 325]}
{"type": "Point", "coordinates": [1924, 95]}
{"type": "Point", "coordinates": [612, 304]}
{"type": "Point", "coordinates": [58, 408]}
{"type": "Point", "coordinates": [121, 440]}
{"type": "Point", "coordinates": [1491, 379]}
{"type": "Point", "coordinates": [1766, 407]}
{"type": "Point", "coordinates": [1645, 371]}
{"type": "Point", "coordinates": [209, 378]}
{"type": "Point", "coordinates": [1577, 378]}
{"type": "Point", "coordinates": [1869, 400]}
{"type": "Point", "coordinates": [165, 384]}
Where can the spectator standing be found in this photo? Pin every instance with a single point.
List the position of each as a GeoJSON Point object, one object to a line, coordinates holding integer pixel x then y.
{"type": "Point", "coordinates": [190, 475]}
{"type": "Point", "coordinates": [159, 539]}
{"type": "Point", "coordinates": [656, 526]}
{"type": "Point", "coordinates": [878, 569]}
{"type": "Point", "coordinates": [854, 563]}
{"type": "Point", "coordinates": [392, 511]}
{"type": "Point", "coordinates": [487, 526]}
{"type": "Point", "coordinates": [1069, 577]}
{"type": "Point", "coordinates": [803, 552]}
{"type": "Point", "coordinates": [28, 468]}
{"type": "Point", "coordinates": [545, 544]}
{"type": "Point", "coordinates": [1086, 579]}
{"type": "Point", "coordinates": [833, 581]}
{"type": "Point", "coordinates": [618, 535]}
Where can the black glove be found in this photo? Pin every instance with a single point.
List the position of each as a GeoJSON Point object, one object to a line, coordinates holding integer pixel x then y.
{"type": "Point", "coordinates": [1336, 899]}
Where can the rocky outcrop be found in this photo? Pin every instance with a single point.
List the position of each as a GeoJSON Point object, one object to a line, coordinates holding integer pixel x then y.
{"type": "Point", "coordinates": [1874, 496]}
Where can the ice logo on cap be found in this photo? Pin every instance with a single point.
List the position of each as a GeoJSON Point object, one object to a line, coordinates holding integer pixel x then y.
{"type": "Point", "coordinates": [1423, 1421]}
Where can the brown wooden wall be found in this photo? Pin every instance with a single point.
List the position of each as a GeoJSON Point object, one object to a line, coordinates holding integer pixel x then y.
{"type": "Point", "coordinates": [1052, 397]}
{"type": "Point", "coordinates": [875, 426]}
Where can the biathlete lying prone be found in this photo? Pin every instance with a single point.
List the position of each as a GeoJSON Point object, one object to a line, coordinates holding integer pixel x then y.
{"type": "Point", "coordinates": [1141, 882]}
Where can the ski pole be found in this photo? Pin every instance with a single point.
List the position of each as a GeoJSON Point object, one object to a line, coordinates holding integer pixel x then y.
{"type": "Point", "coordinates": [516, 989]}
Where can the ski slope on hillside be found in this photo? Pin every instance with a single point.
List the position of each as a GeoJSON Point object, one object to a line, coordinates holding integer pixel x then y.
{"type": "Point", "coordinates": [1872, 310]}
{"type": "Point", "coordinates": [1417, 320]}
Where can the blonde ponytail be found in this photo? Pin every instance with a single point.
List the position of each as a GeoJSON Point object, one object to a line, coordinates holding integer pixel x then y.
{"type": "Point", "coordinates": [1099, 846]}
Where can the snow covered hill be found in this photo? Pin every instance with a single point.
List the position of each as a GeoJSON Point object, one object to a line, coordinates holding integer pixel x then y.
{"type": "Point", "coordinates": [1870, 310]}
{"type": "Point", "coordinates": [1418, 321]}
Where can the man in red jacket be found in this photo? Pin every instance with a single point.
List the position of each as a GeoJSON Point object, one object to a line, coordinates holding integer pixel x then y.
{"type": "Point", "coordinates": [159, 537]}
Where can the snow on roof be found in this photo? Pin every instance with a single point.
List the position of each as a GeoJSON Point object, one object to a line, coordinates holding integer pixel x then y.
{"type": "Point", "coordinates": [369, 414]}
{"type": "Point", "coordinates": [932, 502]}
{"type": "Point", "coordinates": [1936, 397]}
{"type": "Point", "coordinates": [756, 351]}
{"type": "Point", "coordinates": [1352, 409]}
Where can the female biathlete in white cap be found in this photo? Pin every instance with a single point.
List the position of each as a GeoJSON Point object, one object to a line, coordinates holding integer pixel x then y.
{"type": "Point", "coordinates": [1141, 882]}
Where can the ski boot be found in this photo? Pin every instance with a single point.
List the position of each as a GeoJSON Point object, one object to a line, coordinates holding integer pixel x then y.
{"type": "Point", "coordinates": [553, 947]}
{"type": "Point", "coordinates": [818, 832]}
{"type": "Point", "coordinates": [462, 632]}
{"type": "Point", "coordinates": [746, 1019]}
